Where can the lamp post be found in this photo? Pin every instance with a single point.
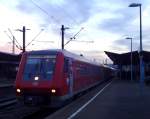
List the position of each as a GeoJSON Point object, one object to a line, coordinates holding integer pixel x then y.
{"type": "Point", "coordinates": [140, 56]}
{"type": "Point", "coordinates": [131, 58]}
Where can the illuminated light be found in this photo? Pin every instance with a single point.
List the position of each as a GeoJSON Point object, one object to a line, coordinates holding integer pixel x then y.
{"type": "Point", "coordinates": [53, 91]}
{"type": "Point", "coordinates": [36, 78]}
{"type": "Point", "coordinates": [18, 90]}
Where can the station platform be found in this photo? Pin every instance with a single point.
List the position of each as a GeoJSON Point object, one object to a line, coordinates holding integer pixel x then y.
{"type": "Point", "coordinates": [118, 99]}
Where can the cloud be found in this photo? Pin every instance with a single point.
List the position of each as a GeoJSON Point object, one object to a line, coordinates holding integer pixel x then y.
{"type": "Point", "coordinates": [69, 12]}
{"type": "Point", "coordinates": [103, 21]}
{"type": "Point", "coordinates": [115, 16]}
{"type": "Point", "coordinates": [119, 21]}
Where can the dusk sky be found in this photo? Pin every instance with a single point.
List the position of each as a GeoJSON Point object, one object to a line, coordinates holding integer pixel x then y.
{"type": "Point", "coordinates": [103, 25]}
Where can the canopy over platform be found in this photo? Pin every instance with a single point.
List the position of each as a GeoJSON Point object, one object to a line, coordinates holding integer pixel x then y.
{"type": "Point", "coordinates": [9, 58]}
{"type": "Point", "coordinates": [125, 58]}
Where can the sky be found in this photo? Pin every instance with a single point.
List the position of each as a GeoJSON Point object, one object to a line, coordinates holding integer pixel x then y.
{"type": "Point", "coordinates": [98, 25]}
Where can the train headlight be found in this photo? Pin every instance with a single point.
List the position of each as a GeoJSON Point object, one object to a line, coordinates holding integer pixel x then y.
{"type": "Point", "coordinates": [18, 90]}
{"type": "Point", "coordinates": [53, 91]}
{"type": "Point", "coordinates": [36, 78]}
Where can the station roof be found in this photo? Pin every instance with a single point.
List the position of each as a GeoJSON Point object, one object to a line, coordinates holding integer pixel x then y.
{"type": "Point", "coordinates": [125, 58]}
{"type": "Point", "coordinates": [9, 58]}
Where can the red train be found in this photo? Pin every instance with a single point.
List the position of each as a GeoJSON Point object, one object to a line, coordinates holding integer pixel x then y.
{"type": "Point", "coordinates": [50, 77]}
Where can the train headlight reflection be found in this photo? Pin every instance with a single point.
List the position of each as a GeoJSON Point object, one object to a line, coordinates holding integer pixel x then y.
{"type": "Point", "coordinates": [18, 90]}
{"type": "Point", "coordinates": [36, 78]}
{"type": "Point", "coordinates": [53, 90]}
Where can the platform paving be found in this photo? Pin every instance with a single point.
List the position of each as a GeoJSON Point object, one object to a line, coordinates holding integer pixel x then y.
{"type": "Point", "coordinates": [120, 100]}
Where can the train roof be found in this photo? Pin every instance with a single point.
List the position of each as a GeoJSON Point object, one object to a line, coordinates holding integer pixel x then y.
{"type": "Point", "coordinates": [66, 53]}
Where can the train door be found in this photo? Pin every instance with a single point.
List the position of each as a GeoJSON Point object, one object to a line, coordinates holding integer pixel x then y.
{"type": "Point", "coordinates": [70, 75]}
{"type": "Point", "coordinates": [68, 70]}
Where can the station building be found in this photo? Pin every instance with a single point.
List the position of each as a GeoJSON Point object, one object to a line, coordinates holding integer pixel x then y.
{"type": "Point", "coordinates": [9, 64]}
{"type": "Point", "coordinates": [123, 62]}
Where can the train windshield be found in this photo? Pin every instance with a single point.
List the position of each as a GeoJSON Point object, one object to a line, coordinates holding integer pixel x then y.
{"type": "Point", "coordinates": [39, 67]}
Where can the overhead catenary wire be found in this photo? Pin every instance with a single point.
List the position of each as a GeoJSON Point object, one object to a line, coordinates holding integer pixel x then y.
{"type": "Point", "coordinates": [69, 15]}
{"type": "Point", "coordinates": [84, 41]}
{"type": "Point", "coordinates": [35, 37]}
{"type": "Point", "coordinates": [65, 12]}
{"type": "Point", "coordinates": [77, 33]}
{"type": "Point", "coordinates": [52, 17]}
{"type": "Point", "coordinates": [45, 41]}
{"type": "Point", "coordinates": [74, 37]}
{"type": "Point", "coordinates": [14, 38]}
{"type": "Point", "coordinates": [44, 11]}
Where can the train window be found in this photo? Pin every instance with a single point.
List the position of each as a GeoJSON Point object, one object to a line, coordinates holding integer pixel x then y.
{"type": "Point", "coordinates": [83, 70]}
{"type": "Point", "coordinates": [40, 66]}
{"type": "Point", "coordinates": [66, 65]}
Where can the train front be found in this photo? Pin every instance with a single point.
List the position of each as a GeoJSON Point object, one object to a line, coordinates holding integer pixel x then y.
{"type": "Point", "coordinates": [35, 82]}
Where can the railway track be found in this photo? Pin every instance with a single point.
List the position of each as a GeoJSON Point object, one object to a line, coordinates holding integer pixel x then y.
{"type": "Point", "coordinates": [40, 114]}
{"type": "Point", "coordinates": [7, 102]}
{"type": "Point", "coordinates": [16, 111]}
{"type": "Point", "coordinates": [11, 109]}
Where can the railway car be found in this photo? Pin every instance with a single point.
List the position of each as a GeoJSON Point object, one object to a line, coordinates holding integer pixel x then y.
{"type": "Point", "coordinates": [51, 77]}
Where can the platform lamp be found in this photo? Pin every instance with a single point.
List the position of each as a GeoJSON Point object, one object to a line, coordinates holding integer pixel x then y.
{"type": "Point", "coordinates": [140, 54]}
{"type": "Point", "coordinates": [131, 57]}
